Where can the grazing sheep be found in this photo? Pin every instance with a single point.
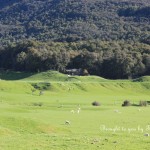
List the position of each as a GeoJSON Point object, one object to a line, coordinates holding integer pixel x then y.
{"type": "Point", "coordinates": [146, 134]}
{"type": "Point", "coordinates": [67, 122]}
{"type": "Point", "coordinates": [116, 110]}
{"type": "Point", "coordinates": [78, 111]}
{"type": "Point", "coordinates": [72, 111]}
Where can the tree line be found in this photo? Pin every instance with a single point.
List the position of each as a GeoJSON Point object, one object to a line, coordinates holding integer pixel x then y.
{"type": "Point", "coordinates": [114, 60]}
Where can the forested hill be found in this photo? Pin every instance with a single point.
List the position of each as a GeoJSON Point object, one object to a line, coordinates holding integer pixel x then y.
{"type": "Point", "coordinates": [109, 38]}
{"type": "Point", "coordinates": [74, 20]}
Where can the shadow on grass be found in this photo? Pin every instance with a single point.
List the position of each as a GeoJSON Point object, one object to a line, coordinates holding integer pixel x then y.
{"type": "Point", "coordinates": [135, 105]}
{"type": "Point", "coordinates": [12, 75]}
{"type": "Point", "coordinates": [148, 102]}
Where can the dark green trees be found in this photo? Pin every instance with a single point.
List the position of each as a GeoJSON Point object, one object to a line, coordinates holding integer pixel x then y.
{"type": "Point", "coordinates": [107, 59]}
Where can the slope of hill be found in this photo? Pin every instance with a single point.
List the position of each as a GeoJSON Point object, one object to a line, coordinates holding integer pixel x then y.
{"type": "Point", "coordinates": [58, 83]}
{"type": "Point", "coordinates": [50, 76]}
{"type": "Point", "coordinates": [143, 79]}
{"type": "Point", "coordinates": [55, 76]}
{"type": "Point", "coordinates": [29, 120]}
{"type": "Point", "coordinates": [71, 20]}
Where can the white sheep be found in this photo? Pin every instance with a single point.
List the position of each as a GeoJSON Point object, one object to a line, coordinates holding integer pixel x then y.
{"type": "Point", "coordinates": [78, 111]}
{"type": "Point", "coordinates": [72, 111]}
{"type": "Point", "coordinates": [116, 110]}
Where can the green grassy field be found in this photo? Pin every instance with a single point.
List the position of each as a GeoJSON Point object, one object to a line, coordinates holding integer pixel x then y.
{"type": "Point", "coordinates": [32, 122]}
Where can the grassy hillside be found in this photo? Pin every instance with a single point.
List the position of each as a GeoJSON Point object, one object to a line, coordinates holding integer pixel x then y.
{"type": "Point", "coordinates": [143, 79]}
{"type": "Point", "coordinates": [53, 76]}
{"type": "Point", "coordinates": [53, 81]}
{"type": "Point", "coordinates": [30, 121]}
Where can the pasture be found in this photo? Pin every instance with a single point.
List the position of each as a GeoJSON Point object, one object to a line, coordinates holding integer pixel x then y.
{"type": "Point", "coordinates": [30, 121]}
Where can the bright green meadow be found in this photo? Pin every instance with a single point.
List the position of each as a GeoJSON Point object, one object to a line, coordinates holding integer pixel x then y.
{"type": "Point", "coordinates": [30, 121]}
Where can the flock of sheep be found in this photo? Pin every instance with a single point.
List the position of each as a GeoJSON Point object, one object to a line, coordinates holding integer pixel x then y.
{"type": "Point", "coordinates": [67, 122]}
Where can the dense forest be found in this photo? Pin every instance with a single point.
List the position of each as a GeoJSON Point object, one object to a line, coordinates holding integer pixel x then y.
{"type": "Point", "coordinates": [74, 20]}
{"type": "Point", "coordinates": [107, 59]}
{"type": "Point", "coordinates": [109, 38]}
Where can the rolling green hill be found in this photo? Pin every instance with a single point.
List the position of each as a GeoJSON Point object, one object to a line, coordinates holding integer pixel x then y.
{"type": "Point", "coordinates": [32, 121]}
{"type": "Point", "coordinates": [52, 76]}
{"type": "Point", "coordinates": [54, 81]}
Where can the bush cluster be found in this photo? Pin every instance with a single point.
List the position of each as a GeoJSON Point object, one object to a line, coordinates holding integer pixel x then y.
{"type": "Point", "coordinates": [126, 103]}
{"type": "Point", "coordinates": [95, 103]}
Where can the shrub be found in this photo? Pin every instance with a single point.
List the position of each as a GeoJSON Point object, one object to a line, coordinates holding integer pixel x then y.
{"type": "Point", "coordinates": [143, 103]}
{"type": "Point", "coordinates": [85, 72]}
{"type": "Point", "coordinates": [96, 103]}
{"type": "Point", "coordinates": [38, 104]}
{"type": "Point", "coordinates": [126, 103]}
{"type": "Point", "coordinates": [148, 102]}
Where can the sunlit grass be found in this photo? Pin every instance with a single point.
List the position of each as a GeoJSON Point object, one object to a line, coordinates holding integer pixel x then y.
{"type": "Point", "coordinates": [30, 121]}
